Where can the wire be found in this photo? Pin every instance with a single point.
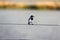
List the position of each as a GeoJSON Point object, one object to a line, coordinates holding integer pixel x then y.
{"type": "Point", "coordinates": [30, 24]}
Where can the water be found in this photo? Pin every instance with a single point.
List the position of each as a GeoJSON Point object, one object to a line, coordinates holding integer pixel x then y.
{"type": "Point", "coordinates": [29, 32]}
{"type": "Point", "coordinates": [21, 16]}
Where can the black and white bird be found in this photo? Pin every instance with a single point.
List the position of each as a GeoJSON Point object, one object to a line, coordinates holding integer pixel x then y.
{"type": "Point", "coordinates": [30, 20]}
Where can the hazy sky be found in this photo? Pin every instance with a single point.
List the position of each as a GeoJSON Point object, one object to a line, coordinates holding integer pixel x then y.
{"type": "Point", "coordinates": [29, 0]}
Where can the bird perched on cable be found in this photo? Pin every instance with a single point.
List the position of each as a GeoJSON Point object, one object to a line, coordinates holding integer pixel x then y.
{"type": "Point", "coordinates": [30, 20]}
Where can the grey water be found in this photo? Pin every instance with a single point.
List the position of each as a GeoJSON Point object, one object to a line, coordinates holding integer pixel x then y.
{"type": "Point", "coordinates": [10, 30]}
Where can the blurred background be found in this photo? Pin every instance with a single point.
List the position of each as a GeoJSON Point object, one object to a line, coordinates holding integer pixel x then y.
{"type": "Point", "coordinates": [12, 20]}
{"type": "Point", "coordinates": [31, 4]}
